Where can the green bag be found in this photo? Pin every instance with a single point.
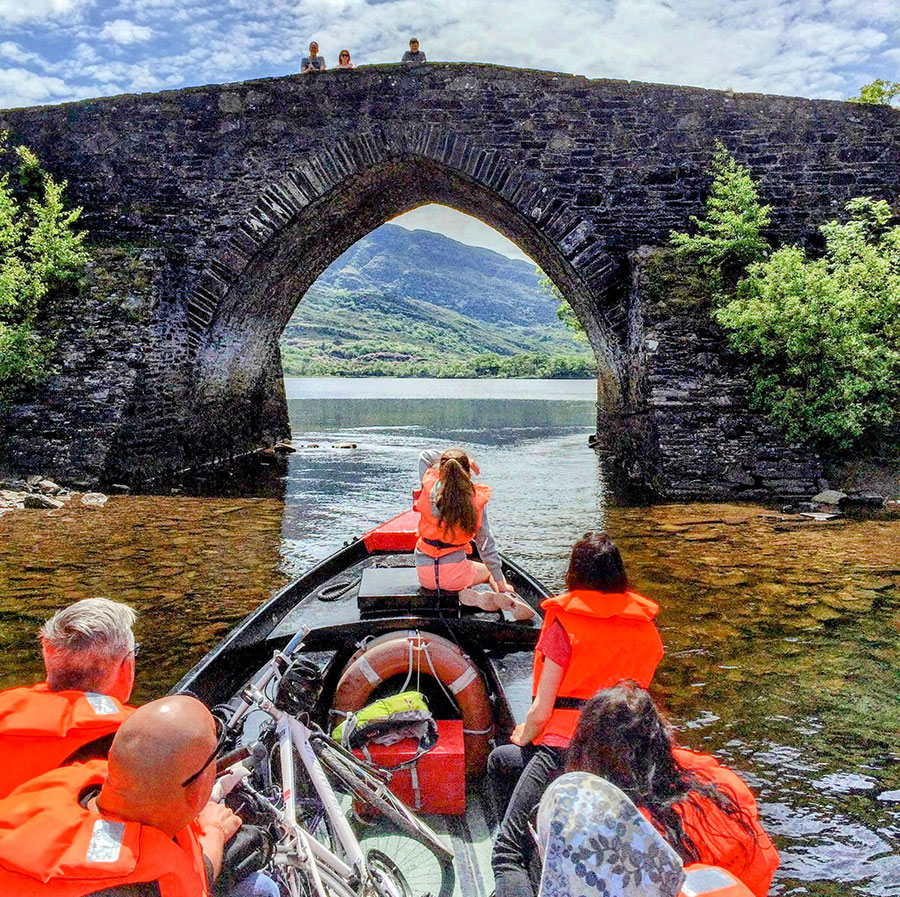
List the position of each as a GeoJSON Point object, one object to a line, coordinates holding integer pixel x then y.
{"type": "Point", "coordinates": [390, 720]}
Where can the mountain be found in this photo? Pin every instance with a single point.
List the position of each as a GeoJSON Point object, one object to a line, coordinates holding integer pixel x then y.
{"type": "Point", "coordinates": [418, 303]}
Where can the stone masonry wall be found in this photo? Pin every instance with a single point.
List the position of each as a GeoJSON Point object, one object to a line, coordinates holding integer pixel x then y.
{"type": "Point", "coordinates": [692, 434]}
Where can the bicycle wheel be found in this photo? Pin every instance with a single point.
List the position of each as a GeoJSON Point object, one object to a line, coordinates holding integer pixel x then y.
{"type": "Point", "coordinates": [373, 791]}
{"type": "Point", "coordinates": [403, 866]}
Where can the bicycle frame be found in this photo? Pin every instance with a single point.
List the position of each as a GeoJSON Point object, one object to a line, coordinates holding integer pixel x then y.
{"type": "Point", "coordinates": [293, 734]}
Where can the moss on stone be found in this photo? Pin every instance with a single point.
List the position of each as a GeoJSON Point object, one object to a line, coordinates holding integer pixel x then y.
{"type": "Point", "coordinates": [672, 284]}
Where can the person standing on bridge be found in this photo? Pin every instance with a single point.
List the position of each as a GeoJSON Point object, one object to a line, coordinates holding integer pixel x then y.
{"type": "Point", "coordinates": [413, 56]}
{"type": "Point", "coordinates": [313, 62]}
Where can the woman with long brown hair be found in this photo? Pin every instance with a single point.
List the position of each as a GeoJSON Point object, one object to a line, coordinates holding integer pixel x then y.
{"type": "Point", "coordinates": [453, 514]}
{"type": "Point", "coordinates": [703, 809]}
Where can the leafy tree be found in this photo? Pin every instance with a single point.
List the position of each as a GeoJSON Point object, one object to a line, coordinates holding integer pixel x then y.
{"type": "Point", "coordinates": [878, 93]}
{"type": "Point", "coordinates": [823, 335]}
{"type": "Point", "coordinates": [730, 236]}
{"type": "Point", "coordinates": [564, 311]}
{"type": "Point", "coordinates": [40, 254]}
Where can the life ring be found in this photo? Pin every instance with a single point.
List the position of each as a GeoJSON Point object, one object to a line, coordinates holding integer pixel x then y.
{"type": "Point", "coordinates": [427, 654]}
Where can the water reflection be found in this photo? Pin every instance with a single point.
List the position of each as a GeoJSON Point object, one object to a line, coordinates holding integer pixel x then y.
{"type": "Point", "coordinates": [190, 567]}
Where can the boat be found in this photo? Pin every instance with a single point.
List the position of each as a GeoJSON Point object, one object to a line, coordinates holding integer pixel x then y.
{"type": "Point", "coordinates": [373, 631]}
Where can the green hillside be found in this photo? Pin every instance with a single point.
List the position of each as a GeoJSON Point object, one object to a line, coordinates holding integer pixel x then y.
{"type": "Point", "coordinates": [403, 303]}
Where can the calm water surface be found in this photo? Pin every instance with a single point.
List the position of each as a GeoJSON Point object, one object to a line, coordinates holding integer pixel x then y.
{"type": "Point", "coordinates": [782, 639]}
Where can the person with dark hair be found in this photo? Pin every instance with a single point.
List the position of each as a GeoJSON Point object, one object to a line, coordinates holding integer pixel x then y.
{"type": "Point", "coordinates": [595, 634]}
{"type": "Point", "coordinates": [704, 810]}
{"type": "Point", "coordinates": [413, 56]}
{"type": "Point", "coordinates": [453, 514]}
{"type": "Point", "coordinates": [312, 63]}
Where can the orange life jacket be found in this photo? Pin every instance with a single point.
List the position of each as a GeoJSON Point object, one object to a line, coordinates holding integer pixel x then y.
{"type": "Point", "coordinates": [613, 637]}
{"type": "Point", "coordinates": [711, 881]}
{"type": "Point", "coordinates": [40, 729]}
{"type": "Point", "coordinates": [51, 846]}
{"type": "Point", "coordinates": [720, 840]}
{"type": "Point", "coordinates": [434, 539]}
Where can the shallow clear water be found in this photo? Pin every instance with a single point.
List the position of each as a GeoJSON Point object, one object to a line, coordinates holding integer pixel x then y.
{"type": "Point", "coordinates": [782, 638]}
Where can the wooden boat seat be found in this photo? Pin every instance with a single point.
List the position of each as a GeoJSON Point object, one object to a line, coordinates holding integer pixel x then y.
{"type": "Point", "coordinates": [398, 588]}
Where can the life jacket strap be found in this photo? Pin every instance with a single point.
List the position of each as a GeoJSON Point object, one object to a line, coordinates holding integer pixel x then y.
{"type": "Point", "coordinates": [437, 543]}
{"type": "Point", "coordinates": [569, 703]}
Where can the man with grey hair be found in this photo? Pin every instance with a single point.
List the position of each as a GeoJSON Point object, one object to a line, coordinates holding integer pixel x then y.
{"type": "Point", "coordinates": [89, 652]}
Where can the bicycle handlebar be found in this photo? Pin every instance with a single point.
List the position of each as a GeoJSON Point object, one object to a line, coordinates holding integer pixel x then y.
{"type": "Point", "coordinates": [280, 661]}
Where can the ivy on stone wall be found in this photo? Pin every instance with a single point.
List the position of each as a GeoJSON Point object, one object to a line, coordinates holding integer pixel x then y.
{"type": "Point", "coordinates": [40, 255]}
{"type": "Point", "coordinates": [821, 335]}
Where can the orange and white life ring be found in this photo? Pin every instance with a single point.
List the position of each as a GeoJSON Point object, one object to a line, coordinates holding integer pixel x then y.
{"type": "Point", "coordinates": [426, 654]}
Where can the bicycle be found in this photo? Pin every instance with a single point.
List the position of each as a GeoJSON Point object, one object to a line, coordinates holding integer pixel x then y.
{"type": "Point", "coordinates": [318, 852]}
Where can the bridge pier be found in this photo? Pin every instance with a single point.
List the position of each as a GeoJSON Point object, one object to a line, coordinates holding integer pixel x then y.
{"type": "Point", "coordinates": [688, 431]}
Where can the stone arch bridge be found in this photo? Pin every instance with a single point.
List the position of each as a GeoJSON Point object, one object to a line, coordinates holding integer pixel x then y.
{"type": "Point", "coordinates": [217, 207]}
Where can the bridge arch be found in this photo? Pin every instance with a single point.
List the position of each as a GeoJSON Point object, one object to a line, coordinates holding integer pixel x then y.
{"type": "Point", "coordinates": [333, 197]}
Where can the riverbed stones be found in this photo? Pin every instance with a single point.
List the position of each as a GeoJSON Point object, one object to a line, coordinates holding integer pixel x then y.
{"type": "Point", "coordinates": [828, 497]}
{"type": "Point", "coordinates": [861, 501]}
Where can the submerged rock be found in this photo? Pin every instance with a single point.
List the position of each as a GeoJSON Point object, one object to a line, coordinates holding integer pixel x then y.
{"type": "Point", "coordinates": [284, 448]}
{"type": "Point", "coordinates": [829, 497]}
{"type": "Point", "coordinates": [344, 445]}
{"type": "Point", "coordinates": [861, 500]}
{"type": "Point", "coordinates": [43, 502]}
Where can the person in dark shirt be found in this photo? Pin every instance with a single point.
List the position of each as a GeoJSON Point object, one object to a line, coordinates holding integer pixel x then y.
{"type": "Point", "coordinates": [413, 55]}
{"type": "Point", "coordinates": [313, 62]}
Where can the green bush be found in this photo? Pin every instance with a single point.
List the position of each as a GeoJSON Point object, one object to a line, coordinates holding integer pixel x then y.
{"type": "Point", "coordinates": [40, 255]}
{"type": "Point", "coordinates": [823, 335]}
{"type": "Point", "coordinates": [730, 237]}
{"type": "Point", "coordinates": [564, 311]}
{"type": "Point", "coordinates": [878, 93]}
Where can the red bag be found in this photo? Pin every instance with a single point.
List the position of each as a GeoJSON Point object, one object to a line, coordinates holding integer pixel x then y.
{"type": "Point", "coordinates": [436, 782]}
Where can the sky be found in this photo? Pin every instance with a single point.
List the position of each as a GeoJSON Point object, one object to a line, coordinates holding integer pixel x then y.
{"type": "Point", "coordinates": [52, 51]}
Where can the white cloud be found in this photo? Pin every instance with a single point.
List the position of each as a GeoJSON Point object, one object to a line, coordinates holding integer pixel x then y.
{"type": "Point", "coordinates": [15, 53]}
{"type": "Point", "coordinates": [18, 12]}
{"type": "Point", "coordinates": [123, 31]}
{"type": "Point", "coordinates": [21, 87]}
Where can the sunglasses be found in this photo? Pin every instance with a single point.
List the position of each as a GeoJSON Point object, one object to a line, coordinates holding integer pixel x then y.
{"type": "Point", "coordinates": [221, 733]}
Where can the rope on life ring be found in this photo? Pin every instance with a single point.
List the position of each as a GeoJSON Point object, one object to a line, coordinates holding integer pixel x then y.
{"type": "Point", "coordinates": [413, 652]}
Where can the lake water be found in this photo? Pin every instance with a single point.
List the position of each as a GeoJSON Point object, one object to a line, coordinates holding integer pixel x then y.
{"type": "Point", "coordinates": [782, 638]}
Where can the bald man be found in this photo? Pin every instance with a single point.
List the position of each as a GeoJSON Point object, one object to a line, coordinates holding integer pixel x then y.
{"type": "Point", "coordinates": [137, 825]}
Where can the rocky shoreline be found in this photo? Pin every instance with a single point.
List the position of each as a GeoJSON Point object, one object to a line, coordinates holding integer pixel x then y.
{"type": "Point", "coordinates": [39, 493]}
{"type": "Point", "coordinates": [36, 492]}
